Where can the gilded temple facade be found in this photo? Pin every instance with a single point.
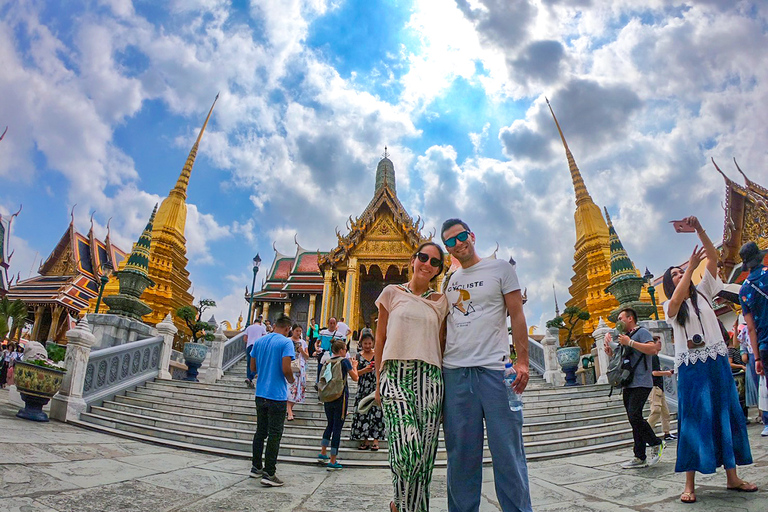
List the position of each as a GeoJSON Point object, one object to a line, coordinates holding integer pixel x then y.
{"type": "Point", "coordinates": [168, 250]}
{"type": "Point", "coordinates": [375, 252]}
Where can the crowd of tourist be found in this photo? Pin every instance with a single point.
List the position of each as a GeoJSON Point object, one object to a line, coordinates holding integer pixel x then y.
{"type": "Point", "coordinates": [10, 353]}
{"type": "Point", "coordinates": [436, 360]}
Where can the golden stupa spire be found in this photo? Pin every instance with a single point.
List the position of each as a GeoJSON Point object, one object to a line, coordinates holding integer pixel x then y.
{"type": "Point", "coordinates": [578, 182]}
{"type": "Point", "coordinates": [181, 184]}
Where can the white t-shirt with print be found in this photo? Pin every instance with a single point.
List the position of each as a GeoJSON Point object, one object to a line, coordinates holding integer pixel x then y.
{"type": "Point", "coordinates": [343, 329]}
{"type": "Point", "coordinates": [477, 317]}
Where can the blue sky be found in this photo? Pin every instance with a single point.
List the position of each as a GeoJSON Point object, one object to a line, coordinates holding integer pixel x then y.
{"type": "Point", "coordinates": [104, 99]}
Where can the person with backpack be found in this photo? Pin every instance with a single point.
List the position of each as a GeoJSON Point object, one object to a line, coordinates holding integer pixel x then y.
{"type": "Point", "coordinates": [271, 357]}
{"type": "Point", "coordinates": [636, 349]}
{"type": "Point", "coordinates": [334, 393]}
{"type": "Point", "coordinates": [712, 430]}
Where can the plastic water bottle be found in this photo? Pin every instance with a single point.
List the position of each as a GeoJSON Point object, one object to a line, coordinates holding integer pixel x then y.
{"type": "Point", "coordinates": [515, 399]}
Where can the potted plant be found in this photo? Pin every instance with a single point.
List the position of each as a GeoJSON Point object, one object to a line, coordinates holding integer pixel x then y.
{"type": "Point", "coordinates": [196, 350]}
{"type": "Point", "coordinates": [37, 380]}
{"type": "Point", "coordinates": [569, 354]}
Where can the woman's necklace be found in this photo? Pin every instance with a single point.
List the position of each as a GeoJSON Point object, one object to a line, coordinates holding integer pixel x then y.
{"type": "Point", "coordinates": [423, 295]}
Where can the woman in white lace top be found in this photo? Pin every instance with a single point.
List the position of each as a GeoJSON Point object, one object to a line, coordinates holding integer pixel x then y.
{"type": "Point", "coordinates": [711, 425]}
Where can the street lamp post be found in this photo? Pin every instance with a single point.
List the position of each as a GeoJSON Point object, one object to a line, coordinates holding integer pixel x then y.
{"type": "Point", "coordinates": [651, 291]}
{"type": "Point", "coordinates": [256, 263]}
{"type": "Point", "coordinates": [106, 271]}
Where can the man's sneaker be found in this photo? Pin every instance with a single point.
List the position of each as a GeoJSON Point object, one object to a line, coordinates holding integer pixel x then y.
{"type": "Point", "coordinates": [271, 481]}
{"type": "Point", "coordinates": [635, 464]}
{"type": "Point", "coordinates": [764, 433]}
{"type": "Point", "coordinates": [256, 473]}
{"type": "Point", "coordinates": [323, 459]}
{"type": "Point", "coordinates": [656, 452]}
{"type": "Point", "coordinates": [333, 466]}
{"type": "Point", "coordinates": [670, 437]}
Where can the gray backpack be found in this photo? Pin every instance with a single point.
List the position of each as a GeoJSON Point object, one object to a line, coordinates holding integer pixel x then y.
{"type": "Point", "coordinates": [331, 384]}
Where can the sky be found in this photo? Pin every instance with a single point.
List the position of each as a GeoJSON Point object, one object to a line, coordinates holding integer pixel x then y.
{"type": "Point", "coordinates": [103, 100]}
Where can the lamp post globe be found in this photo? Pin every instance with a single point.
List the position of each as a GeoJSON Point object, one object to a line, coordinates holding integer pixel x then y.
{"type": "Point", "coordinates": [256, 263]}
{"type": "Point", "coordinates": [106, 272]}
{"type": "Point", "coordinates": [651, 291]}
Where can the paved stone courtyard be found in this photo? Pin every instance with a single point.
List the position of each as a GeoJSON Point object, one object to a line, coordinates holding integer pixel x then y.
{"type": "Point", "coordinates": [56, 467]}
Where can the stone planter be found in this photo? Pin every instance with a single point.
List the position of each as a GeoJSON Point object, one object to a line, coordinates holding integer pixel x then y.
{"type": "Point", "coordinates": [569, 357]}
{"type": "Point", "coordinates": [194, 355]}
{"type": "Point", "coordinates": [37, 385]}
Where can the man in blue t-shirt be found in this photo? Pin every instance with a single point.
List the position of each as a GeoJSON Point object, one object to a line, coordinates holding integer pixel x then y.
{"type": "Point", "coordinates": [271, 357]}
{"type": "Point", "coordinates": [754, 304]}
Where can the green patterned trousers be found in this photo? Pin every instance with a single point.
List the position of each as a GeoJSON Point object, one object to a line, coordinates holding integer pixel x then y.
{"type": "Point", "coordinates": [412, 401]}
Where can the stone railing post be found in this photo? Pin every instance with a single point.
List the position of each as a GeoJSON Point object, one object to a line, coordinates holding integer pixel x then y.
{"type": "Point", "coordinates": [68, 403]}
{"type": "Point", "coordinates": [552, 373]}
{"type": "Point", "coordinates": [214, 371]}
{"type": "Point", "coordinates": [602, 355]}
{"type": "Point", "coordinates": [167, 330]}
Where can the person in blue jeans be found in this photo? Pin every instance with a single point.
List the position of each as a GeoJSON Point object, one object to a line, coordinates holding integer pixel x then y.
{"type": "Point", "coordinates": [480, 295]}
{"type": "Point", "coordinates": [336, 411]}
{"type": "Point", "coordinates": [253, 332]}
{"type": "Point", "coordinates": [753, 297]}
{"type": "Point", "coordinates": [271, 358]}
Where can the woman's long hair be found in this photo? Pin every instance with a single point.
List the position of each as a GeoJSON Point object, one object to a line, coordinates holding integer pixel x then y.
{"type": "Point", "coordinates": [669, 289]}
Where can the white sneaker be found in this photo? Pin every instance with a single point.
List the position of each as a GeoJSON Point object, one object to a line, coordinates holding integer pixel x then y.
{"type": "Point", "coordinates": [656, 452]}
{"type": "Point", "coordinates": [635, 464]}
{"type": "Point", "coordinates": [764, 433]}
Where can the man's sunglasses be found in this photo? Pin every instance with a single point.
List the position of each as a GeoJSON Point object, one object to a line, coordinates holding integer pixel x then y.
{"type": "Point", "coordinates": [461, 237]}
{"type": "Point", "coordinates": [435, 262]}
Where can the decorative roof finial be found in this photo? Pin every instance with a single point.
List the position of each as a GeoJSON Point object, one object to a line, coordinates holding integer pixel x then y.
{"type": "Point", "coordinates": [3, 135]}
{"type": "Point", "coordinates": [72, 215]}
{"type": "Point", "coordinates": [557, 308]}
{"type": "Point", "coordinates": [386, 153]}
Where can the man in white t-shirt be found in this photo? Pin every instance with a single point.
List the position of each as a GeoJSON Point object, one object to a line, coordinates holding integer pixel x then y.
{"type": "Point", "coordinates": [253, 332]}
{"type": "Point", "coordinates": [480, 294]}
{"type": "Point", "coordinates": [324, 342]}
{"type": "Point", "coordinates": [343, 328]}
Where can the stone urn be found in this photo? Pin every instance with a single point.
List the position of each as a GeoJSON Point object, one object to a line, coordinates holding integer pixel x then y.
{"type": "Point", "coordinates": [37, 385]}
{"type": "Point", "coordinates": [194, 355]}
{"type": "Point", "coordinates": [569, 357]}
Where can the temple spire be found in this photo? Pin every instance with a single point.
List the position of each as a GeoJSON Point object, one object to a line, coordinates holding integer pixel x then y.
{"type": "Point", "coordinates": [138, 261]}
{"type": "Point", "coordinates": [582, 194]}
{"type": "Point", "coordinates": [621, 266]}
{"type": "Point", "coordinates": [183, 182]}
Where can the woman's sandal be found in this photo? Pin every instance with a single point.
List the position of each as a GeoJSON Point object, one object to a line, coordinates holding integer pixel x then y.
{"type": "Point", "coordinates": [375, 448]}
{"type": "Point", "coordinates": [363, 446]}
{"type": "Point", "coordinates": [743, 487]}
{"type": "Point", "coordinates": [392, 507]}
{"type": "Point", "coordinates": [688, 497]}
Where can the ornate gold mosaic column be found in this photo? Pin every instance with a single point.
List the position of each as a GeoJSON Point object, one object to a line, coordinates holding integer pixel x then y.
{"type": "Point", "coordinates": [349, 294]}
{"type": "Point", "coordinates": [325, 309]}
{"type": "Point", "coordinates": [311, 313]}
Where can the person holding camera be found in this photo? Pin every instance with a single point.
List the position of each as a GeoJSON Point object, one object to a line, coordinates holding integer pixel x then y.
{"type": "Point", "coordinates": [712, 430]}
{"type": "Point", "coordinates": [639, 349]}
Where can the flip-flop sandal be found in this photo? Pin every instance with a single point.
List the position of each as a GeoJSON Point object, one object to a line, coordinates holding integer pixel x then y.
{"type": "Point", "coordinates": [363, 447]}
{"type": "Point", "coordinates": [688, 497]}
{"type": "Point", "coordinates": [743, 487]}
{"type": "Point", "coordinates": [374, 448]}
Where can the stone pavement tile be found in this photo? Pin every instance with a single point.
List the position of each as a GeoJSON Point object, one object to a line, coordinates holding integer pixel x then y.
{"type": "Point", "coordinates": [710, 499]}
{"type": "Point", "coordinates": [355, 497]}
{"type": "Point", "coordinates": [165, 461]}
{"type": "Point", "coordinates": [584, 505]}
{"type": "Point", "coordinates": [20, 480]}
{"type": "Point", "coordinates": [249, 499]}
{"type": "Point", "coordinates": [568, 473]}
{"type": "Point", "coordinates": [82, 451]}
{"type": "Point", "coordinates": [230, 465]}
{"type": "Point", "coordinates": [546, 493]}
{"type": "Point", "coordinates": [195, 480]}
{"type": "Point", "coordinates": [132, 495]}
{"type": "Point", "coordinates": [97, 472]}
{"type": "Point", "coordinates": [27, 454]}
{"type": "Point", "coordinates": [591, 460]}
{"type": "Point", "coordinates": [628, 490]}
{"type": "Point", "coordinates": [755, 473]}
{"type": "Point", "coordinates": [139, 448]}
{"type": "Point", "coordinates": [23, 505]}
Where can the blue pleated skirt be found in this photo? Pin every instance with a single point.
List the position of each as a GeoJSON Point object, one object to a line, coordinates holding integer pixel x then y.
{"type": "Point", "coordinates": [712, 427]}
{"type": "Point", "coordinates": [752, 381]}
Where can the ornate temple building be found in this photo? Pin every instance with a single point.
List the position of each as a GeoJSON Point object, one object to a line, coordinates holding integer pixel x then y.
{"type": "Point", "coordinates": [746, 219]}
{"type": "Point", "coordinates": [292, 286]}
{"type": "Point", "coordinates": [5, 258]}
{"type": "Point", "coordinates": [68, 280]}
{"type": "Point", "coordinates": [375, 252]}
{"type": "Point", "coordinates": [592, 252]}
{"type": "Point", "coordinates": [168, 250]}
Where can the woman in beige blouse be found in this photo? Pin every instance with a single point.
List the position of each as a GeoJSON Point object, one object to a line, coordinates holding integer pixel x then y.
{"type": "Point", "coordinates": [410, 380]}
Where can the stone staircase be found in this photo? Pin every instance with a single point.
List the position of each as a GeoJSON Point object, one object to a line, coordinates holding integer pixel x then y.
{"type": "Point", "coordinates": [220, 418]}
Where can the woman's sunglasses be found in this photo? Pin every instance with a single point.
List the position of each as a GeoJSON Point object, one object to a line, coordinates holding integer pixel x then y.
{"type": "Point", "coordinates": [435, 262]}
{"type": "Point", "coordinates": [461, 237]}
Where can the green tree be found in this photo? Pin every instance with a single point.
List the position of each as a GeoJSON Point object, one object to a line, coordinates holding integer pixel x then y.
{"type": "Point", "coordinates": [13, 314]}
{"type": "Point", "coordinates": [573, 315]}
{"type": "Point", "coordinates": [192, 316]}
